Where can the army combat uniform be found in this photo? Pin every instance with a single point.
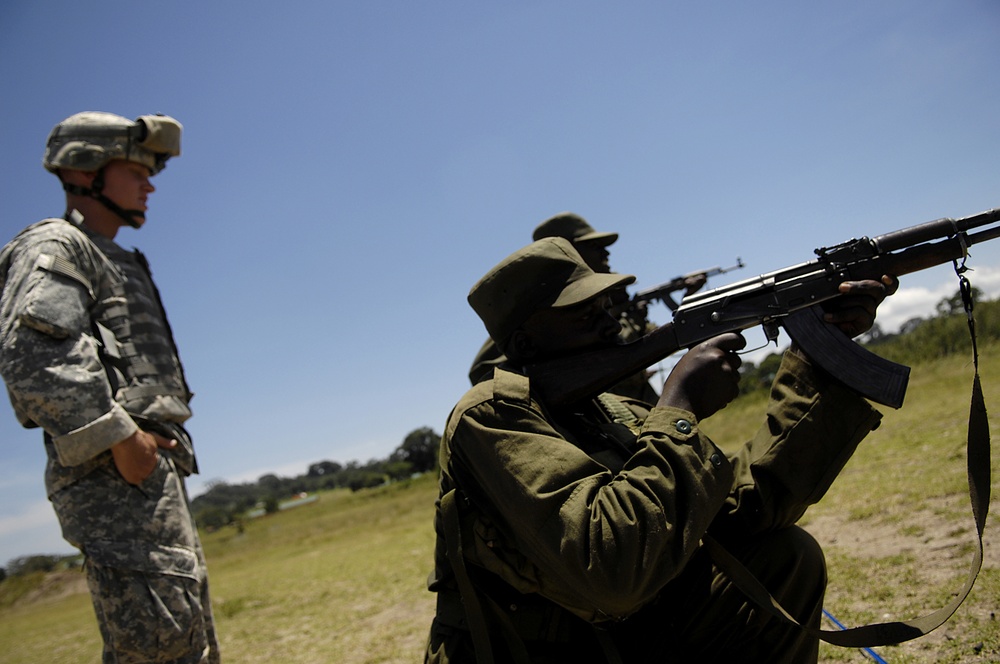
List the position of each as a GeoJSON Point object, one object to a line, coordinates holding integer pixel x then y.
{"type": "Point", "coordinates": [580, 529]}
{"type": "Point", "coordinates": [86, 351]}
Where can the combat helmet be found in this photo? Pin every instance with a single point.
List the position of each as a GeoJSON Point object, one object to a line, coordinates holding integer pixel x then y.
{"type": "Point", "coordinates": [88, 141]}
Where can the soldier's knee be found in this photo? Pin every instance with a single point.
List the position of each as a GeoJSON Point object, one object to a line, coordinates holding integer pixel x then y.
{"type": "Point", "coordinates": [788, 561]}
{"type": "Point", "coordinates": [805, 555]}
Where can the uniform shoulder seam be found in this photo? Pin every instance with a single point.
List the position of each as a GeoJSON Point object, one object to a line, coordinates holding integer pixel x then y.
{"type": "Point", "coordinates": [511, 387]}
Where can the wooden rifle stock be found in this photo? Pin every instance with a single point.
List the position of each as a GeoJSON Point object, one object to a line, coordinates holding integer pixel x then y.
{"type": "Point", "coordinates": [787, 297]}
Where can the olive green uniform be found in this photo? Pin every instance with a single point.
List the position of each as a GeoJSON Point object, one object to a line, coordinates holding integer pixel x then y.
{"type": "Point", "coordinates": [571, 520]}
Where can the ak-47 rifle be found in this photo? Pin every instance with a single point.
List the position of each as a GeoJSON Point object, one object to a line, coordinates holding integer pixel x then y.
{"type": "Point", "coordinates": [786, 298]}
{"type": "Point", "coordinates": [663, 291]}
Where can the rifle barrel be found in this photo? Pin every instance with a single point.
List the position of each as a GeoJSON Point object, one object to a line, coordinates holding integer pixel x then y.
{"type": "Point", "coordinates": [982, 236]}
{"type": "Point", "coordinates": [764, 300]}
{"type": "Point", "coordinates": [933, 230]}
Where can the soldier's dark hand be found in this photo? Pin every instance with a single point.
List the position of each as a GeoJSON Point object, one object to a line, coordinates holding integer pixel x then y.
{"type": "Point", "coordinates": [854, 311]}
{"type": "Point", "coordinates": [706, 378]}
{"type": "Point", "coordinates": [135, 457]}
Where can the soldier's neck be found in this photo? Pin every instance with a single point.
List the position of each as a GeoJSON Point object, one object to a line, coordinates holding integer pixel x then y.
{"type": "Point", "coordinates": [96, 217]}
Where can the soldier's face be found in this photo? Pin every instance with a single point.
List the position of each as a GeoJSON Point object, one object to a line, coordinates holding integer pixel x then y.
{"type": "Point", "coordinates": [595, 255]}
{"type": "Point", "coordinates": [127, 184]}
{"type": "Point", "coordinates": [571, 329]}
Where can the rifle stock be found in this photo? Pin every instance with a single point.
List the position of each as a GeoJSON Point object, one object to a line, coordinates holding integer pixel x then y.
{"type": "Point", "coordinates": [774, 299]}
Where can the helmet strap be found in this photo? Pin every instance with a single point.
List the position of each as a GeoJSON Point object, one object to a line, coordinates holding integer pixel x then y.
{"type": "Point", "coordinates": [95, 191]}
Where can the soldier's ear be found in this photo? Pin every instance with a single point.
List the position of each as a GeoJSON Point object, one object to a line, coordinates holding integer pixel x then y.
{"type": "Point", "coordinates": [521, 346]}
{"type": "Point", "coordinates": [77, 177]}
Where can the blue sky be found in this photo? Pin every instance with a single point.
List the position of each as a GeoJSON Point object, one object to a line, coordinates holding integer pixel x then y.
{"type": "Point", "coordinates": [350, 169]}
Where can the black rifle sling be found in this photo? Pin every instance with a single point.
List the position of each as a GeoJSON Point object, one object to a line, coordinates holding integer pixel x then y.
{"type": "Point", "coordinates": [880, 634]}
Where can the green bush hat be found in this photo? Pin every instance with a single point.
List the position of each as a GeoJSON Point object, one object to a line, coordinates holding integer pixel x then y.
{"type": "Point", "coordinates": [574, 228]}
{"type": "Point", "coordinates": [548, 273]}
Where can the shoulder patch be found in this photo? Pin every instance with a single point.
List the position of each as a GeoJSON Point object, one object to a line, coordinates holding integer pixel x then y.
{"type": "Point", "coordinates": [59, 265]}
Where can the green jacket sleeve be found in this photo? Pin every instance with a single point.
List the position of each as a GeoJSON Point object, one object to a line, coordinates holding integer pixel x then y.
{"type": "Point", "coordinates": [812, 428]}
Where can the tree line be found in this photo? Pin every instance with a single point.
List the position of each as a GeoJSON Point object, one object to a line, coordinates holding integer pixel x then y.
{"type": "Point", "coordinates": [224, 503]}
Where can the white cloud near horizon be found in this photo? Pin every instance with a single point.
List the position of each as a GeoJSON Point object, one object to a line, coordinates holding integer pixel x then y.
{"type": "Point", "coordinates": [921, 302]}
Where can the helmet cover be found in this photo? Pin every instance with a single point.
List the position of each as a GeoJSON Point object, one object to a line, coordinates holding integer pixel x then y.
{"type": "Point", "coordinates": [88, 141]}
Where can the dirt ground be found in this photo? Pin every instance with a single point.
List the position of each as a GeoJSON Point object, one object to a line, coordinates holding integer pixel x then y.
{"type": "Point", "coordinates": [57, 585]}
{"type": "Point", "coordinates": [937, 554]}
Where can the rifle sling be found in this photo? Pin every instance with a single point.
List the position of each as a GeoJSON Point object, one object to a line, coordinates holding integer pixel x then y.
{"type": "Point", "coordinates": [880, 634]}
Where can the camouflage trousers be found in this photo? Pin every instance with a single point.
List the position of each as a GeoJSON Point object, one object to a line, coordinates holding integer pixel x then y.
{"type": "Point", "coordinates": [144, 563]}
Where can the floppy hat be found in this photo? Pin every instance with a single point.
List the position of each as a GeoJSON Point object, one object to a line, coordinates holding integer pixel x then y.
{"type": "Point", "coordinates": [574, 228]}
{"type": "Point", "coordinates": [548, 273]}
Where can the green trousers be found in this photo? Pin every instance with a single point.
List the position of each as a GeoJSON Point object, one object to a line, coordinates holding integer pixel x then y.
{"type": "Point", "coordinates": [699, 616]}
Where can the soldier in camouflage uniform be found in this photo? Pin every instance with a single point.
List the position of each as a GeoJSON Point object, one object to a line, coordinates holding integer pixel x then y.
{"type": "Point", "coordinates": [574, 534]}
{"type": "Point", "coordinates": [593, 248]}
{"type": "Point", "coordinates": [88, 356]}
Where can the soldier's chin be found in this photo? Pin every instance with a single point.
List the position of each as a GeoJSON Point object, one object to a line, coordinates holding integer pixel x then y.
{"type": "Point", "coordinates": [136, 218]}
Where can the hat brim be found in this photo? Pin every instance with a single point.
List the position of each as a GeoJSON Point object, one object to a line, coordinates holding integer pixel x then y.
{"type": "Point", "coordinates": [589, 287]}
{"type": "Point", "coordinates": [602, 239]}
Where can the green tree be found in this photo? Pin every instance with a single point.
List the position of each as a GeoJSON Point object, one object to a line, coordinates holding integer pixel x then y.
{"type": "Point", "coordinates": [34, 563]}
{"type": "Point", "coordinates": [419, 449]}
{"type": "Point", "coordinates": [213, 517]}
{"type": "Point", "coordinates": [954, 304]}
{"type": "Point", "coordinates": [398, 470]}
{"type": "Point", "coordinates": [323, 468]}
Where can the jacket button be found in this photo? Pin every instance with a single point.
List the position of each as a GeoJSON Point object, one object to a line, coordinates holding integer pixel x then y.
{"type": "Point", "coordinates": [683, 426]}
{"type": "Point", "coordinates": [716, 460]}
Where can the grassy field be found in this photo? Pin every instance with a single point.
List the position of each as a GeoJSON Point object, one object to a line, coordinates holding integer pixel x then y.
{"type": "Point", "coordinates": [342, 579]}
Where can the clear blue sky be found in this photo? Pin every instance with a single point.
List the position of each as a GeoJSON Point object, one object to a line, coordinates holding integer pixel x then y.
{"type": "Point", "coordinates": [350, 169]}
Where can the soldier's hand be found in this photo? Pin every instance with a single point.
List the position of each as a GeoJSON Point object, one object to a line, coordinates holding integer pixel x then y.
{"type": "Point", "coordinates": [135, 457]}
{"type": "Point", "coordinates": [854, 311]}
{"type": "Point", "coordinates": [706, 378]}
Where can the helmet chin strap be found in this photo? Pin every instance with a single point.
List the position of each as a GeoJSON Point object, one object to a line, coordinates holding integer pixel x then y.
{"type": "Point", "coordinates": [131, 217]}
